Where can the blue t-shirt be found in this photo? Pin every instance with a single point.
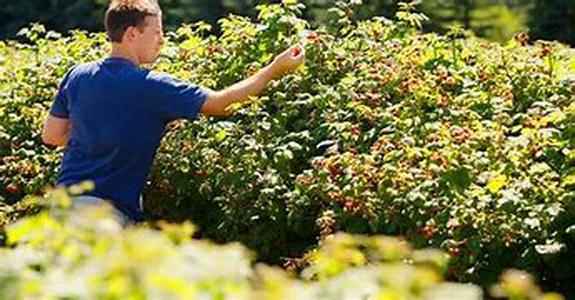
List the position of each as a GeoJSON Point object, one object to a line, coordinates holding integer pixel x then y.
{"type": "Point", "coordinates": [118, 114]}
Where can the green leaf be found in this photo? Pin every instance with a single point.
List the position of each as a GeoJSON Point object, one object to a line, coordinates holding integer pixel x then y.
{"type": "Point", "coordinates": [459, 177]}
{"type": "Point", "coordinates": [191, 43]}
{"type": "Point", "coordinates": [288, 154]}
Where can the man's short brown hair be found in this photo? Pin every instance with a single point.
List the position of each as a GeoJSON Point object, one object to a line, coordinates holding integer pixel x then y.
{"type": "Point", "coordinates": [122, 14]}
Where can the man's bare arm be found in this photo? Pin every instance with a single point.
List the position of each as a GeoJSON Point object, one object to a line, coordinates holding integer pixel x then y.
{"type": "Point", "coordinates": [218, 103]}
{"type": "Point", "coordinates": [56, 131]}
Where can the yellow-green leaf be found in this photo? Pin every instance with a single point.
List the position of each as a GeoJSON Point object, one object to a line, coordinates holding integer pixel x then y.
{"type": "Point", "coordinates": [569, 180]}
{"type": "Point", "coordinates": [221, 135]}
{"type": "Point", "coordinates": [497, 183]}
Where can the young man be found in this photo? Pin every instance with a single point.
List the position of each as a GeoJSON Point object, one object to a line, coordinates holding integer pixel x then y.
{"type": "Point", "coordinates": [111, 114]}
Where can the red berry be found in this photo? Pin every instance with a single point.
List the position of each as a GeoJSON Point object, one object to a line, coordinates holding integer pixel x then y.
{"type": "Point", "coordinates": [295, 52]}
{"type": "Point", "coordinates": [12, 188]}
{"type": "Point", "coordinates": [455, 253]}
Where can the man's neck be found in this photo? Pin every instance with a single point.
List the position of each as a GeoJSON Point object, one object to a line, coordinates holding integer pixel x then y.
{"type": "Point", "coordinates": [122, 52]}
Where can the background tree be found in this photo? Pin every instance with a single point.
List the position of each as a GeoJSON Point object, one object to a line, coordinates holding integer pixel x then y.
{"type": "Point", "coordinates": [60, 15]}
{"type": "Point", "coordinates": [496, 20]}
{"type": "Point", "coordinates": [553, 20]}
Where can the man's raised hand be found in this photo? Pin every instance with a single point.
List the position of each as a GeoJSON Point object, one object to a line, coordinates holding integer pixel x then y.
{"type": "Point", "coordinates": [289, 60]}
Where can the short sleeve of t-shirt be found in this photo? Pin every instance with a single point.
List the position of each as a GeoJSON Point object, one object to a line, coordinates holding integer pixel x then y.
{"type": "Point", "coordinates": [174, 98]}
{"type": "Point", "coordinates": [60, 106]}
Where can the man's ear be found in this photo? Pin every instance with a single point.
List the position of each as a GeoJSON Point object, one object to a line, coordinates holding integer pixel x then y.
{"type": "Point", "coordinates": [130, 34]}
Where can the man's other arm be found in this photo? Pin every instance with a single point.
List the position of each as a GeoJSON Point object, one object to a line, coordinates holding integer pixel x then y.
{"type": "Point", "coordinates": [56, 131]}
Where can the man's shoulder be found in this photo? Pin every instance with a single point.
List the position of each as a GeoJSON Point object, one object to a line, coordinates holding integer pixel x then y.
{"type": "Point", "coordinates": [100, 70]}
{"type": "Point", "coordinates": [158, 76]}
{"type": "Point", "coordinates": [83, 68]}
{"type": "Point", "coordinates": [157, 79]}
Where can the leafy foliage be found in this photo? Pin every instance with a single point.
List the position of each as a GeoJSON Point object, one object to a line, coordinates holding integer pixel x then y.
{"type": "Point", "coordinates": [85, 254]}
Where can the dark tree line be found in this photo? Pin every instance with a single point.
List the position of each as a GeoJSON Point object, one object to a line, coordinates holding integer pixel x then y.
{"type": "Point", "coordinates": [494, 19]}
{"type": "Point", "coordinates": [554, 20]}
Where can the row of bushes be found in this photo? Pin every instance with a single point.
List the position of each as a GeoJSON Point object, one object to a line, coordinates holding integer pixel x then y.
{"type": "Point", "coordinates": [86, 254]}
